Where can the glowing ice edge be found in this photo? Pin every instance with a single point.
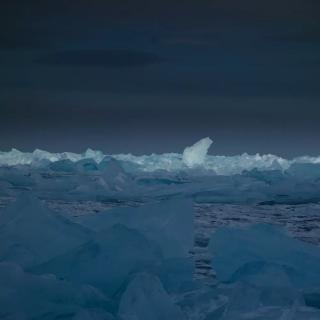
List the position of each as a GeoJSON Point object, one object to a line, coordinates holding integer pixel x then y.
{"type": "Point", "coordinates": [193, 157]}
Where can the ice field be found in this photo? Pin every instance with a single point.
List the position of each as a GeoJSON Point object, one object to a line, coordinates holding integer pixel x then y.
{"type": "Point", "coordinates": [160, 237]}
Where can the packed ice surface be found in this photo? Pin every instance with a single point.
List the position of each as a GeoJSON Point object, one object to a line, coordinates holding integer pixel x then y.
{"type": "Point", "coordinates": [195, 155]}
{"type": "Point", "coordinates": [93, 236]}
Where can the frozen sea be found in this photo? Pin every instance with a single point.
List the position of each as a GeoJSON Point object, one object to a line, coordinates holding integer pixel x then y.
{"type": "Point", "coordinates": [171, 236]}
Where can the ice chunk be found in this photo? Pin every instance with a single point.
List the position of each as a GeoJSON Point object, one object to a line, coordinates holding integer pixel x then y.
{"type": "Point", "coordinates": [169, 224]}
{"type": "Point", "coordinates": [114, 176]}
{"type": "Point", "coordinates": [93, 314]}
{"type": "Point", "coordinates": [145, 298]}
{"type": "Point", "coordinates": [232, 249]}
{"type": "Point", "coordinates": [273, 284]}
{"type": "Point", "coordinates": [32, 234]}
{"type": "Point", "coordinates": [176, 275]}
{"type": "Point", "coordinates": [5, 188]}
{"type": "Point", "coordinates": [305, 171]}
{"type": "Point", "coordinates": [65, 165]}
{"type": "Point", "coordinates": [86, 165]}
{"type": "Point", "coordinates": [96, 155]}
{"type": "Point", "coordinates": [16, 177]}
{"type": "Point", "coordinates": [294, 312]}
{"type": "Point", "coordinates": [106, 261]}
{"type": "Point", "coordinates": [265, 291]}
{"type": "Point", "coordinates": [265, 302]}
{"type": "Point", "coordinates": [195, 155]}
{"type": "Point", "coordinates": [27, 296]}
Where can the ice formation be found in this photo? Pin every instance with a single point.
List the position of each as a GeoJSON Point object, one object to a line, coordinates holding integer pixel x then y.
{"type": "Point", "coordinates": [172, 236]}
{"type": "Point", "coordinates": [135, 263]}
{"type": "Point", "coordinates": [195, 155]}
{"type": "Point", "coordinates": [145, 298]}
{"type": "Point", "coordinates": [27, 296]}
{"type": "Point", "coordinates": [107, 260]}
{"type": "Point", "coordinates": [240, 254]}
{"type": "Point", "coordinates": [32, 234]}
{"type": "Point", "coordinates": [169, 224]}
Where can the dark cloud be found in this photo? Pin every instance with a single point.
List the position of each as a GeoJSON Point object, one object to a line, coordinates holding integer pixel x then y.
{"type": "Point", "coordinates": [40, 23]}
{"type": "Point", "coordinates": [153, 66]}
{"type": "Point", "coordinates": [101, 58]}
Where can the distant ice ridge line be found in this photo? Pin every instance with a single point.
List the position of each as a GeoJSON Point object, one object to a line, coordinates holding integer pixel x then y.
{"type": "Point", "coordinates": [193, 158]}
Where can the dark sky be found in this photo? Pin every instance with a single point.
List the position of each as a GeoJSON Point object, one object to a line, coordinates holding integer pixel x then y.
{"type": "Point", "coordinates": [154, 76]}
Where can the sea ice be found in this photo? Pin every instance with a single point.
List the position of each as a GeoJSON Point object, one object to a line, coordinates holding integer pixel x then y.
{"type": "Point", "coordinates": [65, 166]}
{"type": "Point", "coordinates": [136, 262]}
{"type": "Point", "coordinates": [145, 298]}
{"type": "Point", "coordinates": [195, 155]}
{"type": "Point", "coordinates": [168, 223]}
{"type": "Point", "coordinates": [107, 260]}
{"type": "Point", "coordinates": [238, 252]}
{"type": "Point", "coordinates": [31, 234]}
{"type": "Point", "coordinates": [27, 296]}
{"type": "Point", "coordinates": [265, 273]}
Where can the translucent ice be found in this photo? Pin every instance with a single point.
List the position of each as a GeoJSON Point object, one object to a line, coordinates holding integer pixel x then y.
{"type": "Point", "coordinates": [107, 260]}
{"type": "Point", "coordinates": [145, 298]}
{"type": "Point", "coordinates": [168, 223]}
{"type": "Point", "coordinates": [31, 234]}
{"type": "Point", "coordinates": [27, 296]}
{"type": "Point", "coordinates": [265, 272]}
{"type": "Point", "coordinates": [114, 176]}
{"type": "Point", "coordinates": [147, 256]}
{"type": "Point", "coordinates": [195, 155]}
{"type": "Point", "coordinates": [239, 252]}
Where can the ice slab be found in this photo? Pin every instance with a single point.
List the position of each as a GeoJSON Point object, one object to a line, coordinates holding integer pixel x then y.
{"type": "Point", "coordinates": [238, 252]}
{"type": "Point", "coordinates": [145, 298]}
{"type": "Point", "coordinates": [27, 296]}
{"type": "Point", "coordinates": [107, 260]}
{"type": "Point", "coordinates": [31, 234]}
{"type": "Point", "coordinates": [168, 223]}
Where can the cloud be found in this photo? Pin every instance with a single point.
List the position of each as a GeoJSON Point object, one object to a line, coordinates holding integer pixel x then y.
{"type": "Point", "coordinates": [101, 58]}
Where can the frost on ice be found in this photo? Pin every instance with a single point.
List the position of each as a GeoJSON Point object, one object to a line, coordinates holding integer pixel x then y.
{"type": "Point", "coordinates": [195, 155]}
